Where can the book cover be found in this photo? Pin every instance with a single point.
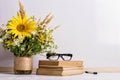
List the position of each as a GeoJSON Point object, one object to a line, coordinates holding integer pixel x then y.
{"type": "Point", "coordinates": [59, 72]}
{"type": "Point", "coordinates": [60, 63]}
{"type": "Point", "coordinates": [60, 67]}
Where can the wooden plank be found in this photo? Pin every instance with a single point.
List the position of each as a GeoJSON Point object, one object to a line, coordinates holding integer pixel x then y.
{"type": "Point", "coordinates": [101, 70]}
{"type": "Point", "coordinates": [6, 69]}
{"type": "Point", "coordinates": [10, 69]}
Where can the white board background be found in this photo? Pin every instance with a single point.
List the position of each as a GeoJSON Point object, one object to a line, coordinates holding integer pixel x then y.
{"type": "Point", "coordinates": [90, 29]}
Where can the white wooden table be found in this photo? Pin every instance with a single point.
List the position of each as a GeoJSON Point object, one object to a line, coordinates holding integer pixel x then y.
{"type": "Point", "coordinates": [99, 76]}
{"type": "Point", "coordinates": [103, 74]}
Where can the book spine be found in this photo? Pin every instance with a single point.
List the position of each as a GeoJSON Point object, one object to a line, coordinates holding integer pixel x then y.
{"type": "Point", "coordinates": [48, 63]}
{"type": "Point", "coordinates": [62, 68]}
{"type": "Point", "coordinates": [61, 63]}
{"type": "Point", "coordinates": [47, 72]}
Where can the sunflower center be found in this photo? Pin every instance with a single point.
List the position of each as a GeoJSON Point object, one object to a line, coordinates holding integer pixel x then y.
{"type": "Point", "coordinates": [21, 28]}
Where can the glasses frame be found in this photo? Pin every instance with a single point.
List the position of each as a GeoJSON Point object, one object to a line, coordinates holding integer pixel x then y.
{"type": "Point", "coordinates": [48, 55]}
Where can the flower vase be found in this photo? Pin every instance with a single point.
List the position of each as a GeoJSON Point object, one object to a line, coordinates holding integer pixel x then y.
{"type": "Point", "coordinates": [23, 65]}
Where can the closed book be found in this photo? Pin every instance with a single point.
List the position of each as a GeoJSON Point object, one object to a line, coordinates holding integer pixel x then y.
{"type": "Point", "coordinates": [60, 67]}
{"type": "Point", "coordinates": [60, 63]}
{"type": "Point", "coordinates": [59, 72]}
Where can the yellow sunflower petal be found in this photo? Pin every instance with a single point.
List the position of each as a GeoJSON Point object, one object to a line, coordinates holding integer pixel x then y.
{"type": "Point", "coordinates": [24, 19]}
{"type": "Point", "coordinates": [14, 20]}
{"type": "Point", "coordinates": [21, 27]}
{"type": "Point", "coordinates": [19, 18]}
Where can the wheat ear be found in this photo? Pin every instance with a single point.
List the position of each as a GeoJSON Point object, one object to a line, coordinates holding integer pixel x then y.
{"type": "Point", "coordinates": [22, 11]}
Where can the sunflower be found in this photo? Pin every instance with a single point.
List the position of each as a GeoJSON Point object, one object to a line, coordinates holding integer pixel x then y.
{"type": "Point", "coordinates": [21, 26]}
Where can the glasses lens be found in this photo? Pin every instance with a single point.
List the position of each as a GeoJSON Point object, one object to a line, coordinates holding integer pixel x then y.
{"type": "Point", "coordinates": [66, 58]}
{"type": "Point", "coordinates": [54, 57]}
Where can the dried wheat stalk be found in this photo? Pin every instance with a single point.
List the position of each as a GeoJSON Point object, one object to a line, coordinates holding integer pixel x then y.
{"type": "Point", "coordinates": [2, 32]}
{"type": "Point", "coordinates": [22, 11]}
{"type": "Point", "coordinates": [47, 20]}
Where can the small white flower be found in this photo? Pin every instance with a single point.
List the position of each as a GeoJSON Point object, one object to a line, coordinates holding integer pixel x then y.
{"type": "Point", "coordinates": [1, 40]}
{"type": "Point", "coordinates": [49, 44]}
{"type": "Point", "coordinates": [20, 39]}
{"type": "Point", "coordinates": [34, 33]}
{"type": "Point", "coordinates": [16, 42]}
{"type": "Point", "coordinates": [42, 46]}
{"type": "Point", "coordinates": [22, 49]}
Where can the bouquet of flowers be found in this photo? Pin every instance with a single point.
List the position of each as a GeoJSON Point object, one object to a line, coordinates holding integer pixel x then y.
{"type": "Point", "coordinates": [24, 36]}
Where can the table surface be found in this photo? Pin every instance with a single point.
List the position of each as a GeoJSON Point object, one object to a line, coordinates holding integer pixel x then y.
{"type": "Point", "coordinates": [99, 76]}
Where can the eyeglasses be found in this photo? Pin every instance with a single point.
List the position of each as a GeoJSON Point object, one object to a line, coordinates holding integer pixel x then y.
{"type": "Point", "coordinates": [56, 56]}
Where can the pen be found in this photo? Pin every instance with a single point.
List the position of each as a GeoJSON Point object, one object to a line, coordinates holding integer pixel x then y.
{"type": "Point", "coordinates": [89, 72]}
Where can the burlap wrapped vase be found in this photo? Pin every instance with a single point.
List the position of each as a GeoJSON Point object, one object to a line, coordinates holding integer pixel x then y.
{"type": "Point", "coordinates": [23, 65]}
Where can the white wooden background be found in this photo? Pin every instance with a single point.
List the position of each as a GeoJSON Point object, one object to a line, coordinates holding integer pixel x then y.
{"type": "Point", "coordinates": [90, 29]}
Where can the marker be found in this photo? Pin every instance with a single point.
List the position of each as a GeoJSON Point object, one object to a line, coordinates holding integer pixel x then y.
{"type": "Point", "coordinates": [90, 72]}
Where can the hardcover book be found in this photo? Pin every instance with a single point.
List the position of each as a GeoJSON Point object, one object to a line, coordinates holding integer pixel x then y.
{"type": "Point", "coordinates": [60, 68]}
{"type": "Point", "coordinates": [59, 72]}
{"type": "Point", "coordinates": [61, 63]}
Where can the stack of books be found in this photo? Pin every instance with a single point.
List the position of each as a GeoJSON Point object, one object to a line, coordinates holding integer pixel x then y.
{"type": "Point", "coordinates": [60, 68]}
